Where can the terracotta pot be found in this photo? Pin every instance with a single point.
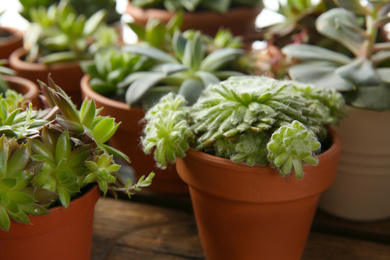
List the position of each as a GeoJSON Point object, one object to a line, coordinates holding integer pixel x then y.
{"type": "Point", "coordinates": [247, 213]}
{"type": "Point", "coordinates": [10, 43]}
{"type": "Point", "coordinates": [127, 139]}
{"type": "Point", "coordinates": [66, 75]}
{"type": "Point", "coordinates": [240, 21]}
{"type": "Point", "coordinates": [65, 233]}
{"type": "Point", "coordinates": [25, 87]}
{"type": "Point", "coordinates": [361, 190]}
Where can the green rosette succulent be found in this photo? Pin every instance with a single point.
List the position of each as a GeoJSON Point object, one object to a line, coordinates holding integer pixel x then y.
{"type": "Point", "coordinates": [48, 156]}
{"type": "Point", "coordinates": [251, 119]}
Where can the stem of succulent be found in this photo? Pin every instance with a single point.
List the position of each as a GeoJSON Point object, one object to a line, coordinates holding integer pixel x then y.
{"type": "Point", "coordinates": [372, 32]}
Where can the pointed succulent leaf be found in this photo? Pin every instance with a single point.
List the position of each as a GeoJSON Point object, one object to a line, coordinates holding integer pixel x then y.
{"type": "Point", "coordinates": [93, 22]}
{"type": "Point", "coordinates": [151, 52]}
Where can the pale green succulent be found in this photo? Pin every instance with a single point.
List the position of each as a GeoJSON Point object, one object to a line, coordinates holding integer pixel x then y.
{"type": "Point", "coordinates": [187, 70]}
{"type": "Point", "coordinates": [362, 74]}
{"type": "Point", "coordinates": [250, 119]}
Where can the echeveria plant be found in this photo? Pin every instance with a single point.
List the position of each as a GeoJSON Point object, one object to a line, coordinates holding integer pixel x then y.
{"type": "Point", "coordinates": [362, 74]}
{"type": "Point", "coordinates": [47, 157]}
{"type": "Point", "coordinates": [249, 119]}
{"type": "Point", "coordinates": [188, 69]}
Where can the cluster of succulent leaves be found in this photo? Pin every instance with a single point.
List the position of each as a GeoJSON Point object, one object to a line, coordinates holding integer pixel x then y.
{"type": "Point", "coordinates": [59, 34]}
{"type": "Point", "coordinates": [361, 74]}
{"type": "Point", "coordinates": [249, 119]}
{"type": "Point", "coordinates": [221, 6]}
{"type": "Point", "coordinates": [188, 69]}
{"type": "Point", "coordinates": [48, 156]}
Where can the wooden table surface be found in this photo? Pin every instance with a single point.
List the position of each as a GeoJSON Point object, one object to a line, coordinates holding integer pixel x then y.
{"type": "Point", "coordinates": [162, 227]}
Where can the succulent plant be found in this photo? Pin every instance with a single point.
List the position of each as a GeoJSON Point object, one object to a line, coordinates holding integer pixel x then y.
{"type": "Point", "coordinates": [361, 74]}
{"type": "Point", "coordinates": [221, 6]}
{"type": "Point", "coordinates": [188, 70]}
{"type": "Point", "coordinates": [47, 157]}
{"type": "Point", "coordinates": [156, 33]}
{"type": "Point", "coordinates": [85, 7]}
{"type": "Point", "coordinates": [250, 119]}
{"type": "Point", "coordinates": [111, 67]}
{"type": "Point", "coordinates": [59, 34]}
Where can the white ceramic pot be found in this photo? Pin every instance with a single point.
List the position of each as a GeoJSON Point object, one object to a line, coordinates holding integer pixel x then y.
{"type": "Point", "coordinates": [362, 188]}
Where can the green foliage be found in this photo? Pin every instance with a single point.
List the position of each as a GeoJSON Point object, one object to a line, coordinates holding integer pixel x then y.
{"type": "Point", "coordinates": [363, 73]}
{"type": "Point", "coordinates": [58, 34]}
{"type": "Point", "coordinates": [255, 120]}
{"type": "Point", "coordinates": [85, 7]}
{"type": "Point", "coordinates": [111, 67]}
{"type": "Point", "coordinates": [48, 156]}
{"type": "Point", "coordinates": [220, 6]}
{"type": "Point", "coordinates": [187, 70]}
{"type": "Point", "coordinates": [157, 34]}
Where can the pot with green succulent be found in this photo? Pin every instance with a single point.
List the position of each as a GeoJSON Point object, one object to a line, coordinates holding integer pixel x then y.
{"type": "Point", "coordinates": [56, 41]}
{"type": "Point", "coordinates": [207, 16]}
{"type": "Point", "coordinates": [22, 90]}
{"type": "Point", "coordinates": [231, 147]}
{"type": "Point", "coordinates": [362, 75]}
{"type": "Point", "coordinates": [126, 82]}
{"type": "Point", "coordinates": [54, 163]}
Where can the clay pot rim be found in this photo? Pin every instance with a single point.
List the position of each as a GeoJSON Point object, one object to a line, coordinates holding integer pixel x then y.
{"type": "Point", "coordinates": [86, 88]}
{"type": "Point", "coordinates": [222, 178]}
{"type": "Point", "coordinates": [17, 62]}
{"type": "Point", "coordinates": [32, 89]}
{"type": "Point", "coordinates": [17, 35]}
{"type": "Point", "coordinates": [213, 159]}
{"type": "Point", "coordinates": [91, 196]}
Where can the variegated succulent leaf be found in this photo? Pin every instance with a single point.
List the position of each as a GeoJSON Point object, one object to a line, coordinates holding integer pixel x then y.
{"type": "Point", "coordinates": [291, 146]}
{"type": "Point", "coordinates": [167, 130]}
{"type": "Point", "coordinates": [16, 171]}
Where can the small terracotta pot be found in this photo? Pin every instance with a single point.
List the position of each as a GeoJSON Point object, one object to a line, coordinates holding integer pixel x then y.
{"type": "Point", "coordinates": [10, 43]}
{"type": "Point", "coordinates": [64, 234]}
{"type": "Point", "coordinates": [65, 75]}
{"type": "Point", "coordinates": [25, 87]}
{"type": "Point", "coordinates": [361, 191]}
{"type": "Point", "coordinates": [127, 139]}
{"type": "Point", "coordinates": [247, 213]}
{"type": "Point", "coordinates": [240, 20]}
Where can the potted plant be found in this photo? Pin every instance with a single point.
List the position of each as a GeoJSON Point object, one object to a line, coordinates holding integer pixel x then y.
{"type": "Point", "coordinates": [362, 75]}
{"type": "Point", "coordinates": [56, 41]}
{"type": "Point", "coordinates": [231, 147]}
{"type": "Point", "coordinates": [10, 40]}
{"type": "Point", "coordinates": [22, 90]}
{"type": "Point", "coordinates": [207, 16]}
{"type": "Point", "coordinates": [126, 82]}
{"type": "Point", "coordinates": [54, 163]}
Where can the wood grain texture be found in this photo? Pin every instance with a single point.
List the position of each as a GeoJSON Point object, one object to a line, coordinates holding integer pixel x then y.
{"type": "Point", "coordinates": [140, 229]}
